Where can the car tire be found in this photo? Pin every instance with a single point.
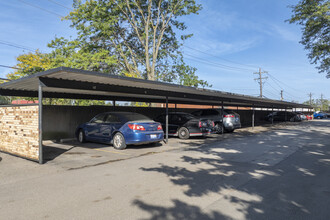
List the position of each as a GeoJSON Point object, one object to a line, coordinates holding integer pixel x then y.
{"type": "Point", "coordinates": [81, 136]}
{"type": "Point", "coordinates": [183, 133]}
{"type": "Point", "coordinates": [218, 128]}
{"type": "Point", "coordinates": [119, 142]}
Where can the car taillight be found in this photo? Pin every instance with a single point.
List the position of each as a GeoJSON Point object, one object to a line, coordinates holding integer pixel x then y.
{"type": "Point", "coordinates": [159, 127]}
{"type": "Point", "coordinates": [136, 127]}
{"type": "Point", "coordinates": [229, 116]}
{"type": "Point", "coordinates": [200, 124]}
{"type": "Point", "coordinates": [213, 124]}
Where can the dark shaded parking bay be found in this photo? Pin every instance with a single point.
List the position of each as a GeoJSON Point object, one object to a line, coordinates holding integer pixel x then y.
{"type": "Point", "coordinates": [279, 172]}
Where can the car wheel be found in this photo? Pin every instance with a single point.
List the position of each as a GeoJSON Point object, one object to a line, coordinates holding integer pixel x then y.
{"type": "Point", "coordinates": [183, 133]}
{"type": "Point", "coordinates": [218, 128]}
{"type": "Point", "coordinates": [81, 136]}
{"type": "Point", "coordinates": [119, 142]}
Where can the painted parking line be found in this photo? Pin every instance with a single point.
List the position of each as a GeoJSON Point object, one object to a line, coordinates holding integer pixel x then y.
{"type": "Point", "coordinates": [115, 152]}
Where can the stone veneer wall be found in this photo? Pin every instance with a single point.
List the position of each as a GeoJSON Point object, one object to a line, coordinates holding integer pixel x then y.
{"type": "Point", "coordinates": [19, 130]}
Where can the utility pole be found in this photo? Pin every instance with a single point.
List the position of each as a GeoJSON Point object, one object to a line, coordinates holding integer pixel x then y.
{"type": "Point", "coordinates": [281, 95]}
{"type": "Point", "coordinates": [310, 98]}
{"type": "Point", "coordinates": [321, 102]}
{"type": "Point", "coordinates": [260, 79]}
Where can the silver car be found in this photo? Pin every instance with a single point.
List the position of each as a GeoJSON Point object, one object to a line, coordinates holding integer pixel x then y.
{"type": "Point", "coordinates": [231, 120]}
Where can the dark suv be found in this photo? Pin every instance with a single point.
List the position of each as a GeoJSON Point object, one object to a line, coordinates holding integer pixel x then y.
{"type": "Point", "coordinates": [185, 125]}
{"type": "Point", "coordinates": [283, 116]}
{"type": "Point", "coordinates": [231, 120]}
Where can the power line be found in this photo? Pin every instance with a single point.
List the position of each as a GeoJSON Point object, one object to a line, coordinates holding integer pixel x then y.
{"type": "Point", "coordinates": [43, 9]}
{"type": "Point", "coordinates": [269, 92]}
{"type": "Point", "coordinates": [198, 59]}
{"type": "Point", "coordinates": [277, 81]}
{"type": "Point", "coordinates": [271, 86]}
{"type": "Point", "coordinates": [16, 45]}
{"type": "Point", "coordinates": [282, 82]}
{"type": "Point", "coordinates": [57, 3]}
{"type": "Point", "coordinates": [230, 61]}
{"type": "Point", "coordinates": [11, 67]}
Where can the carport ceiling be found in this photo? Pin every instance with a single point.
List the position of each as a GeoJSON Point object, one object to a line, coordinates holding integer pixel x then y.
{"type": "Point", "coordinates": [71, 83]}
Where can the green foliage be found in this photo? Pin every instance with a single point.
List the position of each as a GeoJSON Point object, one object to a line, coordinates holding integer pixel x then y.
{"type": "Point", "coordinates": [29, 64]}
{"type": "Point", "coordinates": [76, 55]}
{"type": "Point", "coordinates": [187, 75]}
{"type": "Point", "coordinates": [319, 105]}
{"type": "Point", "coordinates": [4, 100]}
{"type": "Point", "coordinates": [141, 34]}
{"type": "Point", "coordinates": [65, 54]}
{"type": "Point", "coordinates": [134, 38]}
{"type": "Point", "coordinates": [314, 17]}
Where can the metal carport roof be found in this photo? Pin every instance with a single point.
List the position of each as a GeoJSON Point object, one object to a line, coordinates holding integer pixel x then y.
{"type": "Point", "coordinates": [71, 83]}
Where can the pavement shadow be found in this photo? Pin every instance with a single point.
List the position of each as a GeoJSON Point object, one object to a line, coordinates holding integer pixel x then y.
{"type": "Point", "coordinates": [179, 210]}
{"type": "Point", "coordinates": [50, 153]}
{"type": "Point", "coordinates": [286, 177]}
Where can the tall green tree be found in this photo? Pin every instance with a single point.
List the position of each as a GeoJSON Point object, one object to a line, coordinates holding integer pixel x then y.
{"type": "Point", "coordinates": [319, 105]}
{"type": "Point", "coordinates": [142, 34]}
{"type": "Point", "coordinates": [314, 17]}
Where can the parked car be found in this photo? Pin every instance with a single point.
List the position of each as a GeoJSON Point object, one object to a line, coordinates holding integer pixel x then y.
{"type": "Point", "coordinates": [309, 117]}
{"type": "Point", "coordinates": [302, 116]}
{"type": "Point", "coordinates": [320, 115]}
{"type": "Point", "coordinates": [185, 125]}
{"type": "Point", "coordinates": [231, 120]}
{"type": "Point", "coordinates": [120, 129]}
{"type": "Point", "coordinates": [283, 116]}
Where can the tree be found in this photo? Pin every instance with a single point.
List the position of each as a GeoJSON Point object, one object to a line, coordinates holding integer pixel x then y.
{"type": "Point", "coordinates": [68, 56]}
{"type": "Point", "coordinates": [141, 33]}
{"type": "Point", "coordinates": [74, 54]}
{"type": "Point", "coordinates": [319, 105]}
{"type": "Point", "coordinates": [30, 63]}
{"type": "Point", "coordinates": [314, 17]}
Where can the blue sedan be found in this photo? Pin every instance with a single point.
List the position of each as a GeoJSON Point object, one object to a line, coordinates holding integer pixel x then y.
{"type": "Point", "coordinates": [120, 129]}
{"type": "Point", "coordinates": [320, 115]}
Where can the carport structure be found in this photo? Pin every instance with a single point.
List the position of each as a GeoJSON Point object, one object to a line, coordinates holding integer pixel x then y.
{"type": "Point", "coordinates": [71, 83]}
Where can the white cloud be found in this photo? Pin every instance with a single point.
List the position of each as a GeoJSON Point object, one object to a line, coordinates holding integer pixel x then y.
{"type": "Point", "coordinates": [284, 33]}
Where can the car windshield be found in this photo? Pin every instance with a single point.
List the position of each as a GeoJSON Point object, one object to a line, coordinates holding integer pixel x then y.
{"type": "Point", "coordinates": [135, 117]}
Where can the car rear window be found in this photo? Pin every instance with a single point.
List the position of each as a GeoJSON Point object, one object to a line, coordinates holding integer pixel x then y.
{"type": "Point", "coordinates": [188, 116]}
{"type": "Point", "coordinates": [135, 117]}
{"type": "Point", "coordinates": [210, 112]}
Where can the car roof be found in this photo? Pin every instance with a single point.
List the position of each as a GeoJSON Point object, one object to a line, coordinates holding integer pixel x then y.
{"type": "Point", "coordinates": [121, 113]}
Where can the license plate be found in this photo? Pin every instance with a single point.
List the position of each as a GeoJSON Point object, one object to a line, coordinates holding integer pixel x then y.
{"type": "Point", "coordinates": [152, 136]}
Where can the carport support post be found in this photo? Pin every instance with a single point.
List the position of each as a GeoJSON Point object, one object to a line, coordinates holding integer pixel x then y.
{"type": "Point", "coordinates": [272, 115]}
{"type": "Point", "coordinates": [166, 120]}
{"type": "Point", "coordinates": [222, 117]}
{"type": "Point", "coordinates": [253, 117]}
{"type": "Point", "coordinates": [40, 122]}
{"type": "Point", "coordinates": [285, 115]}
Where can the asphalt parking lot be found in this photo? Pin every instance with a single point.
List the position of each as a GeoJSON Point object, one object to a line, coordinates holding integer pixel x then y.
{"type": "Point", "coordinates": [74, 155]}
{"type": "Point", "coordinates": [279, 172]}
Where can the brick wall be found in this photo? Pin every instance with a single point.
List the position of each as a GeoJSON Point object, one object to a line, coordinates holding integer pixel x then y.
{"type": "Point", "coordinates": [19, 133]}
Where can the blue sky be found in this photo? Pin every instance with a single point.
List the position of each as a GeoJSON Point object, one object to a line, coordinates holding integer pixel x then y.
{"type": "Point", "coordinates": [232, 39]}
